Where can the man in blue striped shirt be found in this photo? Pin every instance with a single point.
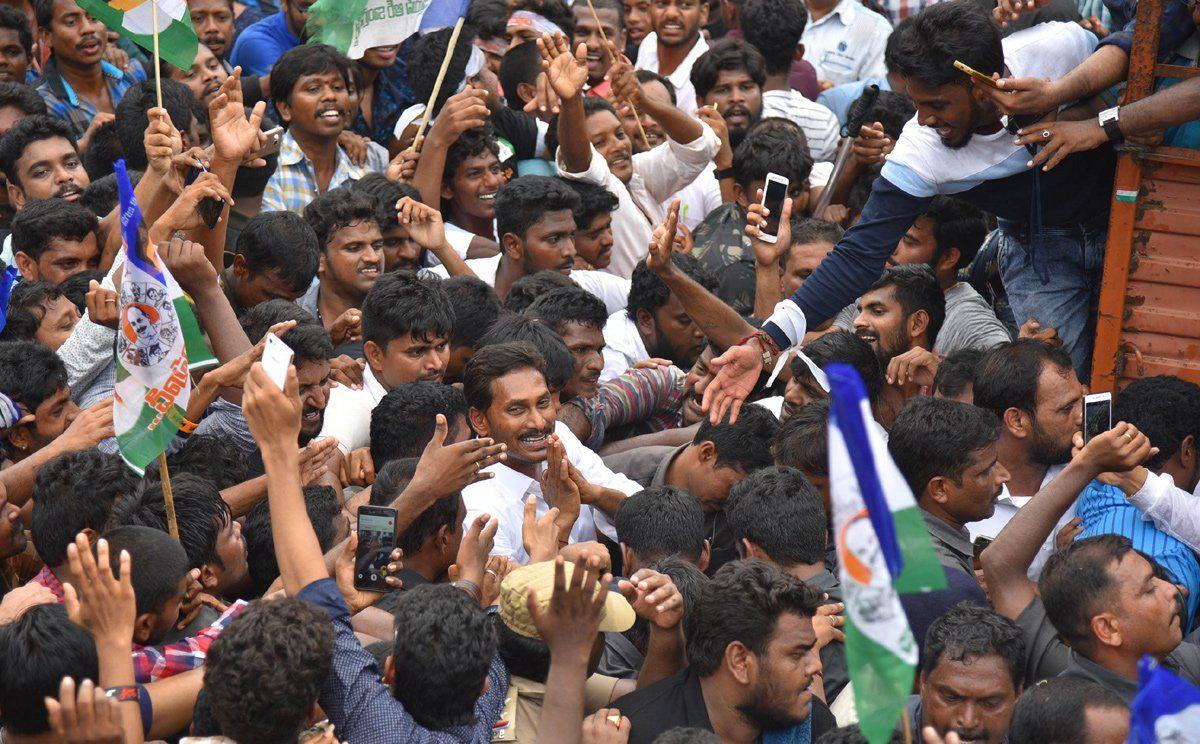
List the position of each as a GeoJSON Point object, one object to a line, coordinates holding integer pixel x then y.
{"type": "Point", "coordinates": [1167, 410]}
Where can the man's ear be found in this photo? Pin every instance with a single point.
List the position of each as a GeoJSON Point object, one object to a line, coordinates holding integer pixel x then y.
{"type": "Point", "coordinates": [374, 355]}
{"type": "Point", "coordinates": [1187, 452]}
{"type": "Point", "coordinates": [21, 436]}
{"type": "Point", "coordinates": [444, 537]}
{"type": "Point", "coordinates": [143, 626]}
{"type": "Point", "coordinates": [948, 260]}
{"type": "Point", "coordinates": [750, 550]}
{"type": "Point", "coordinates": [706, 453]}
{"type": "Point", "coordinates": [705, 557]}
{"type": "Point", "coordinates": [478, 421]}
{"type": "Point", "coordinates": [645, 325]}
{"type": "Point", "coordinates": [1017, 422]}
{"type": "Point", "coordinates": [389, 671]}
{"type": "Point", "coordinates": [1107, 629]}
{"type": "Point", "coordinates": [447, 190]}
{"type": "Point", "coordinates": [208, 577]}
{"type": "Point", "coordinates": [16, 197]}
{"type": "Point", "coordinates": [703, 14]}
{"type": "Point", "coordinates": [741, 663]}
{"type": "Point", "coordinates": [321, 263]}
{"type": "Point", "coordinates": [27, 266]}
{"type": "Point", "coordinates": [513, 247]}
{"type": "Point", "coordinates": [627, 559]}
{"type": "Point", "coordinates": [285, 111]}
{"type": "Point", "coordinates": [799, 53]}
{"type": "Point", "coordinates": [526, 92]}
{"type": "Point", "coordinates": [918, 324]}
{"type": "Point", "coordinates": [937, 489]}
{"type": "Point", "coordinates": [739, 195]}
{"type": "Point", "coordinates": [240, 270]}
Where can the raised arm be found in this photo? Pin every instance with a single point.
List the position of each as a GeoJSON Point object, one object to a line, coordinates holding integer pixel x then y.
{"type": "Point", "coordinates": [566, 73]}
{"type": "Point", "coordinates": [462, 112]}
{"type": "Point", "coordinates": [625, 87]}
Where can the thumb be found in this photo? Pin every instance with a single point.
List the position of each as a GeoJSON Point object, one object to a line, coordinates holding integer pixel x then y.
{"type": "Point", "coordinates": [440, 431]}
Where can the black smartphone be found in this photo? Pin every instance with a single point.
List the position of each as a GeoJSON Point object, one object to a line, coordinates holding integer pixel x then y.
{"type": "Point", "coordinates": [209, 209]}
{"type": "Point", "coordinates": [774, 192]}
{"type": "Point", "coordinates": [376, 541]}
{"type": "Point", "coordinates": [1097, 414]}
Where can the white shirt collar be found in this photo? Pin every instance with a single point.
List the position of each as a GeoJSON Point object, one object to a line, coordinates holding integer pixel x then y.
{"type": "Point", "coordinates": [373, 386]}
{"type": "Point", "coordinates": [682, 73]}
{"type": "Point", "coordinates": [844, 11]}
{"type": "Point", "coordinates": [1018, 501]}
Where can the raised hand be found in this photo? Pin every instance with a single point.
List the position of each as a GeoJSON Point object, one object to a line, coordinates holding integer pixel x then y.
{"type": "Point", "coordinates": [827, 623]}
{"type": "Point", "coordinates": [496, 568]}
{"type": "Point", "coordinates": [103, 305]}
{"type": "Point", "coordinates": [162, 141]}
{"type": "Point", "coordinates": [471, 561]}
{"type": "Point", "coordinates": [539, 536]}
{"type": "Point", "coordinates": [183, 214]}
{"type": "Point", "coordinates": [569, 622]}
{"type": "Point", "coordinates": [462, 112]}
{"type": "Point", "coordinates": [348, 372]}
{"type": "Point", "coordinates": [403, 167]}
{"type": "Point", "coordinates": [314, 459]}
{"type": "Point", "coordinates": [872, 145]}
{"type": "Point", "coordinates": [424, 223]}
{"type": "Point", "coordinates": [566, 70]}
{"type": "Point", "coordinates": [188, 264]}
{"type": "Point", "coordinates": [444, 469]}
{"type": "Point", "coordinates": [1007, 11]}
{"type": "Point", "coordinates": [558, 488]}
{"type": "Point", "coordinates": [1121, 448]}
{"type": "Point", "coordinates": [545, 103]}
{"type": "Point", "coordinates": [358, 469]}
{"type": "Point", "coordinates": [710, 116]}
{"type": "Point", "coordinates": [654, 598]}
{"type": "Point", "coordinates": [273, 415]}
{"type": "Point", "coordinates": [625, 85]}
{"type": "Point", "coordinates": [765, 252]}
{"type": "Point", "coordinates": [916, 365]}
{"type": "Point", "coordinates": [343, 575]}
{"type": "Point", "coordinates": [189, 608]}
{"type": "Point", "coordinates": [96, 599]}
{"type": "Point", "coordinates": [347, 329]}
{"type": "Point", "coordinates": [234, 136]}
{"type": "Point", "coordinates": [89, 717]}
{"type": "Point", "coordinates": [738, 370]}
{"type": "Point", "coordinates": [662, 243]}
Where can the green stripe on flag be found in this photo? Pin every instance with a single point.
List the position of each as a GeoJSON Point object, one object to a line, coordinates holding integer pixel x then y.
{"type": "Point", "coordinates": [177, 42]}
{"type": "Point", "coordinates": [333, 22]}
{"type": "Point", "coordinates": [199, 355]}
{"type": "Point", "coordinates": [922, 571]}
{"type": "Point", "coordinates": [882, 683]}
{"type": "Point", "coordinates": [141, 444]}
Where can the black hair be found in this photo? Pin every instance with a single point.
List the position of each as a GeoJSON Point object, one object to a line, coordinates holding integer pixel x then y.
{"type": "Point", "coordinates": [593, 201]}
{"type": "Point", "coordinates": [101, 195]}
{"type": "Point", "coordinates": [1055, 710]}
{"type": "Point", "coordinates": [14, 20]}
{"type": "Point", "coordinates": [401, 302]}
{"type": "Point", "coordinates": [661, 521]}
{"type": "Point", "coordinates": [956, 30]}
{"type": "Point", "coordinates": [42, 221]}
{"type": "Point", "coordinates": [727, 55]}
{"type": "Point", "coordinates": [443, 513]}
{"type": "Point", "coordinates": [132, 117]}
{"type": "Point", "coordinates": [916, 289]}
{"type": "Point", "coordinates": [476, 307]}
{"type": "Point", "coordinates": [489, 18]}
{"type": "Point", "coordinates": [802, 440]}
{"type": "Point", "coordinates": [309, 342]}
{"type": "Point", "coordinates": [26, 309]}
{"type": "Point", "coordinates": [957, 372]}
{"type": "Point", "coordinates": [76, 286]}
{"type": "Point", "coordinates": [215, 458]}
{"type": "Point", "coordinates": [524, 656]}
{"type": "Point", "coordinates": [157, 563]}
{"type": "Point", "coordinates": [525, 291]}
{"type": "Point", "coordinates": [386, 193]}
{"type": "Point", "coordinates": [1077, 582]}
{"type": "Point", "coordinates": [687, 735]}
{"type": "Point", "coordinates": [306, 59]}
{"type": "Point", "coordinates": [1007, 375]}
{"type": "Point", "coordinates": [280, 242]}
{"type": "Point", "coordinates": [743, 603]}
{"type": "Point", "coordinates": [568, 305]}
{"type": "Point", "coordinates": [744, 445]}
{"type": "Point", "coordinates": [18, 95]}
{"type": "Point", "coordinates": [774, 27]}
{"type": "Point", "coordinates": [1164, 408]}
{"type": "Point", "coordinates": [30, 373]}
{"type": "Point", "coordinates": [559, 364]}
{"type": "Point", "coordinates": [780, 511]}
{"type": "Point", "coordinates": [200, 512]}
{"type": "Point", "coordinates": [891, 109]}
{"type": "Point", "coordinates": [938, 437]}
{"type": "Point", "coordinates": [265, 670]}
{"type": "Point", "coordinates": [769, 151]}
{"type": "Point", "coordinates": [492, 362]}
{"type": "Point", "coordinates": [521, 64]}
{"type": "Point", "coordinates": [957, 224]}
{"type": "Point", "coordinates": [523, 202]}
{"type": "Point", "coordinates": [262, 316]}
{"type": "Point", "coordinates": [471, 143]}
{"type": "Point", "coordinates": [442, 656]}
{"type": "Point", "coordinates": [425, 60]}
{"type": "Point", "coordinates": [648, 292]}
{"type": "Point", "coordinates": [24, 133]}
{"type": "Point", "coordinates": [811, 230]}
{"type": "Point", "coordinates": [322, 505]}
{"type": "Point", "coordinates": [339, 208]}
{"type": "Point", "coordinates": [39, 648]}
{"type": "Point", "coordinates": [76, 492]}
{"type": "Point", "coordinates": [404, 420]}
{"type": "Point", "coordinates": [609, 5]}
{"type": "Point", "coordinates": [846, 348]}
{"type": "Point", "coordinates": [650, 76]}
{"type": "Point", "coordinates": [392, 479]}
{"type": "Point", "coordinates": [968, 631]}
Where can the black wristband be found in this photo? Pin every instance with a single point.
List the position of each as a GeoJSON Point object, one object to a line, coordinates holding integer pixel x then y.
{"type": "Point", "coordinates": [723, 173]}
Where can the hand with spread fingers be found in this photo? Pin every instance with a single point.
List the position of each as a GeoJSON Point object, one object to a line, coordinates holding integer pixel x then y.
{"type": "Point", "coordinates": [446, 468]}
{"type": "Point", "coordinates": [566, 69]}
{"type": "Point", "coordinates": [86, 717]}
{"type": "Point", "coordinates": [424, 223]}
{"type": "Point", "coordinates": [1058, 139]}
{"type": "Point", "coordinates": [97, 599]}
{"type": "Point", "coordinates": [570, 621]}
{"type": "Point", "coordinates": [539, 535]}
{"type": "Point", "coordinates": [654, 597]}
{"type": "Point", "coordinates": [494, 571]}
{"type": "Point", "coordinates": [471, 562]}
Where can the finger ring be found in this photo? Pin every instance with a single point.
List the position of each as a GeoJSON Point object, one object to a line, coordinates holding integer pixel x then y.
{"type": "Point", "coordinates": [491, 571]}
{"type": "Point", "coordinates": [615, 720]}
{"type": "Point", "coordinates": [477, 468]}
{"type": "Point", "coordinates": [1045, 134]}
{"type": "Point", "coordinates": [1128, 436]}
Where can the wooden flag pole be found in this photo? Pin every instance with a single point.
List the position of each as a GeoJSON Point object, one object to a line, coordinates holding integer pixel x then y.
{"type": "Point", "coordinates": [437, 85]}
{"type": "Point", "coordinates": [613, 50]}
{"type": "Point", "coordinates": [158, 95]}
{"type": "Point", "coordinates": [164, 477]}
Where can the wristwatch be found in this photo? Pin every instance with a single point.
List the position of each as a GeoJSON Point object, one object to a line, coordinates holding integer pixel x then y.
{"type": "Point", "coordinates": [1110, 119]}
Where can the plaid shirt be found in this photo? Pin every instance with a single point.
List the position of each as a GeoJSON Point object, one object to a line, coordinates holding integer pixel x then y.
{"type": "Point", "coordinates": [641, 401]}
{"type": "Point", "coordinates": [46, 578]}
{"type": "Point", "coordinates": [62, 103]}
{"type": "Point", "coordinates": [294, 184]}
{"type": "Point", "coordinates": [152, 663]}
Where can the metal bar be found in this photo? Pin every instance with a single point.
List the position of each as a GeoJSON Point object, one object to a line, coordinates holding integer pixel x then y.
{"type": "Point", "coordinates": [1116, 272]}
{"type": "Point", "coordinates": [1176, 71]}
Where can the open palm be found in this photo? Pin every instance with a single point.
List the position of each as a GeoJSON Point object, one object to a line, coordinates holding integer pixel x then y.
{"type": "Point", "coordinates": [566, 71]}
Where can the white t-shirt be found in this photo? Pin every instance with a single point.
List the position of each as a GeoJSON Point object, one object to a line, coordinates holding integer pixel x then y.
{"type": "Point", "coordinates": [681, 77]}
{"type": "Point", "coordinates": [623, 346]}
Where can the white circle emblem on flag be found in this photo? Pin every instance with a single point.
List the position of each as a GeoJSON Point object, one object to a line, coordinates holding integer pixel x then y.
{"type": "Point", "coordinates": [148, 326]}
{"type": "Point", "coordinates": [139, 14]}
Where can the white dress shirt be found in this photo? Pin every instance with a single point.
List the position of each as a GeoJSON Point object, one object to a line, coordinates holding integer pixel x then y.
{"type": "Point", "coordinates": [657, 174]}
{"type": "Point", "coordinates": [503, 498]}
{"type": "Point", "coordinates": [697, 199]}
{"type": "Point", "coordinates": [847, 44]}
{"type": "Point", "coordinates": [348, 413]}
{"type": "Point", "coordinates": [623, 346]}
{"type": "Point", "coordinates": [1174, 510]}
{"type": "Point", "coordinates": [1008, 505]}
{"type": "Point", "coordinates": [681, 77]}
{"type": "Point", "coordinates": [612, 290]}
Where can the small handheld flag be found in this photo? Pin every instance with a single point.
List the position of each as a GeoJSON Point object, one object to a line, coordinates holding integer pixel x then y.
{"type": "Point", "coordinates": [1166, 709]}
{"type": "Point", "coordinates": [353, 26]}
{"type": "Point", "coordinates": [141, 19]}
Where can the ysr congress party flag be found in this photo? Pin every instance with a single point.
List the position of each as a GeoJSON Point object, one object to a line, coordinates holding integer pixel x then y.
{"type": "Point", "coordinates": [354, 26]}
{"type": "Point", "coordinates": [883, 551]}
{"type": "Point", "coordinates": [158, 343]}
{"type": "Point", "coordinates": [177, 41]}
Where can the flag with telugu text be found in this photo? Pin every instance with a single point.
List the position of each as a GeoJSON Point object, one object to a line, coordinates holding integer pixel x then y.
{"type": "Point", "coordinates": [354, 26]}
{"type": "Point", "coordinates": [177, 42]}
{"type": "Point", "coordinates": [158, 344]}
{"type": "Point", "coordinates": [883, 551]}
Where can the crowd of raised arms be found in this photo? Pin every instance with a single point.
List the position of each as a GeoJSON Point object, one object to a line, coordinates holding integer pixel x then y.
{"type": "Point", "coordinates": [560, 346]}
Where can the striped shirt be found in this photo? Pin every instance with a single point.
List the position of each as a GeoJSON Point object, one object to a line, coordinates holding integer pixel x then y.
{"type": "Point", "coordinates": [820, 125]}
{"type": "Point", "coordinates": [77, 113]}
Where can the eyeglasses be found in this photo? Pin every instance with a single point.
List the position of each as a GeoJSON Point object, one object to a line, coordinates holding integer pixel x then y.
{"type": "Point", "coordinates": [319, 730]}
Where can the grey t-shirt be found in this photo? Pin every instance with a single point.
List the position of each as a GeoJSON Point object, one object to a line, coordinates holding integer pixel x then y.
{"type": "Point", "coordinates": [970, 322]}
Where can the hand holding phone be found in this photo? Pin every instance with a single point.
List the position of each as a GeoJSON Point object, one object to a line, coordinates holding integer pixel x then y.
{"type": "Point", "coordinates": [376, 541]}
{"type": "Point", "coordinates": [976, 75]}
{"type": "Point", "coordinates": [1097, 415]}
{"type": "Point", "coordinates": [276, 358]}
{"type": "Point", "coordinates": [774, 192]}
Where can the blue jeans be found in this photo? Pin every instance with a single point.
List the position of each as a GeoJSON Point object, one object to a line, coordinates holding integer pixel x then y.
{"type": "Point", "coordinates": [1067, 297]}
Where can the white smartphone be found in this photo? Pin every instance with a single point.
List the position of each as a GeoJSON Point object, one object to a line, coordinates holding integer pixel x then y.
{"type": "Point", "coordinates": [774, 192]}
{"type": "Point", "coordinates": [1097, 414]}
{"type": "Point", "coordinates": [276, 358]}
{"type": "Point", "coordinates": [271, 146]}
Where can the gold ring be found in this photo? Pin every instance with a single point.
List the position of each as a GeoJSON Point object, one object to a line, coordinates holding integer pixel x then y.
{"type": "Point", "coordinates": [615, 720]}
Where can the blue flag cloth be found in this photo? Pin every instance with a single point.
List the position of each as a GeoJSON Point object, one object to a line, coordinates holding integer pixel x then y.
{"type": "Point", "coordinates": [1166, 709]}
{"type": "Point", "coordinates": [7, 280]}
{"type": "Point", "coordinates": [443, 14]}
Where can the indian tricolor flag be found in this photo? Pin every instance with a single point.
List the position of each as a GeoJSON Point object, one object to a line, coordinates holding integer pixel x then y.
{"type": "Point", "coordinates": [354, 26]}
{"type": "Point", "coordinates": [135, 18]}
{"type": "Point", "coordinates": [883, 551]}
{"type": "Point", "coordinates": [158, 344]}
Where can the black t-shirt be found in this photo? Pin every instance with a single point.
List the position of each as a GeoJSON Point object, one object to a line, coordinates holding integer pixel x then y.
{"type": "Point", "coordinates": [679, 702]}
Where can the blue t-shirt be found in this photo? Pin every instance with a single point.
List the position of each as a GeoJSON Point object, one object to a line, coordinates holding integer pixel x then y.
{"type": "Point", "coordinates": [257, 48]}
{"type": "Point", "coordinates": [840, 98]}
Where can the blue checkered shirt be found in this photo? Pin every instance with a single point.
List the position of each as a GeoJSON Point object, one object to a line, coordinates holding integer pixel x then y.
{"type": "Point", "coordinates": [62, 102]}
{"type": "Point", "coordinates": [294, 184]}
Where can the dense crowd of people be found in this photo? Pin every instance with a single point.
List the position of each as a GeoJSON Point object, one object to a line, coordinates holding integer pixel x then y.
{"type": "Point", "coordinates": [561, 335]}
